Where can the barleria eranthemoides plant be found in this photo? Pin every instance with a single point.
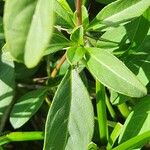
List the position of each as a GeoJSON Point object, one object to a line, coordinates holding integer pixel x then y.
{"type": "Point", "coordinates": [74, 75]}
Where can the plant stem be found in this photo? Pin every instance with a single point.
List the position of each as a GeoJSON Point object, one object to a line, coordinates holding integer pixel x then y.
{"type": "Point", "coordinates": [54, 72]}
{"type": "Point", "coordinates": [123, 108]}
{"type": "Point", "coordinates": [110, 109]}
{"type": "Point", "coordinates": [101, 112]}
{"type": "Point", "coordinates": [21, 136]}
{"type": "Point", "coordinates": [79, 22]}
{"type": "Point", "coordinates": [79, 12]}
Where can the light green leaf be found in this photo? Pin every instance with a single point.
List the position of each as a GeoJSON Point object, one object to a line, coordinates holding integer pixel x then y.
{"type": "Point", "coordinates": [65, 5]}
{"type": "Point", "coordinates": [137, 141]}
{"type": "Point", "coordinates": [64, 18]}
{"type": "Point", "coordinates": [113, 73]}
{"type": "Point", "coordinates": [7, 81]}
{"type": "Point", "coordinates": [110, 42]}
{"type": "Point", "coordinates": [26, 107]}
{"type": "Point", "coordinates": [25, 34]}
{"type": "Point", "coordinates": [75, 54]}
{"type": "Point", "coordinates": [114, 135]}
{"type": "Point", "coordinates": [69, 125]}
{"type": "Point", "coordinates": [117, 98]}
{"type": "Point", "coordinates": [138, 120]}
{"type": "Point", "coordinates": [120, 11]}
{"type": "Point", "coordinates": [39, 33]}
{"type": "Point", "coordinates": [77, 35]}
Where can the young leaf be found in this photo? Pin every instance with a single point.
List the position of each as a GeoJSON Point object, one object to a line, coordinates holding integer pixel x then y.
{"type": "Point", "coordinates": [75, 54]}
{"type": "Point", "coordinates": [26, 107]}
{"type": "Point", "coordinates": [58, 42]}
{"type": "Point", "coordinates": [113, 73]}
{"type": "Point", "coordinates": [77, 35]}
{"type": "Point", "coordinates": [138, 120]}
{"type": "Point", "coordinates": [70, 119]}
{"type": "Point", "coordinates": [114, 135]}
{"type": "Point", "coordinates": [25, 33]}
{"type": "Point", "coordinates": [64, 18]}
{"type": "Point", "coordinates": [7, 81]}
{"type": "Point", "coordinates": [120, 11]}
{"type": "Point", "coordinates": [137, 141]}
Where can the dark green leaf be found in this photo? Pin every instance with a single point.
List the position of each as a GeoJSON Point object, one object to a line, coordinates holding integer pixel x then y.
{"type": "Point", "coordinates": [7, 81]}
{"type": "Point", "coordinates": [138, 120]}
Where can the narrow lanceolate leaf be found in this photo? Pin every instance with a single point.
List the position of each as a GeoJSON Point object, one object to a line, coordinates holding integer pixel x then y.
{"type": "Point", "coordinates": [26, 107]}
{"type": "Point", "coordinates": [28, 29]}
{"type": "Point", "coordinates": [120, 11]}
{"type": "Point", "coordinates": [113, 73]}
{"type": "Point", "coordinates": [138, 120]}
{"type": "Point", "coordinates": [70, 119]}
{"type": "Point", "coordinates": [135, 142]}
{"type": "Point", "coordinates": [7, 81]}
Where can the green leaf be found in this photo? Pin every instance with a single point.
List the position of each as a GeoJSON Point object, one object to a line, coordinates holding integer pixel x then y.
{"type": "Point", "coordinates": [39, 33]}
{"type": "Point", "coordinates": [58, 42]}
{"type": "Point", "coordinates": [75, 54]}
{"type": "Point", "coordinates": [1, 29]}
{"type": "Point", "coordinates": [134, 142]}
{"type": "Point", "coordinates": [117, 98]}
{"type": "Point", "coordinates": [119, 11]}
{"type": "Point", "coordinates": [77, 35]}
{"type": "Point", "coordinates": [113, 73]}
{"type": "Point", "coordinates": [135, 31]}
{"type": "Point", "coordinates": [92, 146]}
{"type": "Point", "coordinates": [105, 1]}
{"type": "Point", "coordinates": [7, 81]}
{"type": "Point", "coordinates": [85, 17]}
{"type": "Point", "coordinates": [26, 107]}
{"type": "Point", "coordinates": [21, 136]}
{"type": "Point", "coordinates": [138, 120]}
{"type": "Point", "coordinates": [64, 18]}
{"type": "Point", "coordinates": [28, 36]}
{"type": "Point", "coordinates": [110, 42]}
{"type": "Point", "coordinates": [65, 5]}
{"type": "Point", "coordinates": [114, 135]}
{"type": "Point", "coordinates": [69, 125]}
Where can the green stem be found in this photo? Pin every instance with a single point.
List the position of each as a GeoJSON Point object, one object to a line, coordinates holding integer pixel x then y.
{"type": "Point", "coordinates": [101, 112]}
{"type": "Point", "coordinates": [110, 109]}
{"type": "Point", "coordinates": [21, 136]}
{"type": "Point", "coordinates": [123, 108]}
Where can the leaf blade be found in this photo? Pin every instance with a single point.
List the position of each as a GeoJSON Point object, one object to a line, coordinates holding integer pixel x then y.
{"type": "Point", "coordinates": [113, 73]}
